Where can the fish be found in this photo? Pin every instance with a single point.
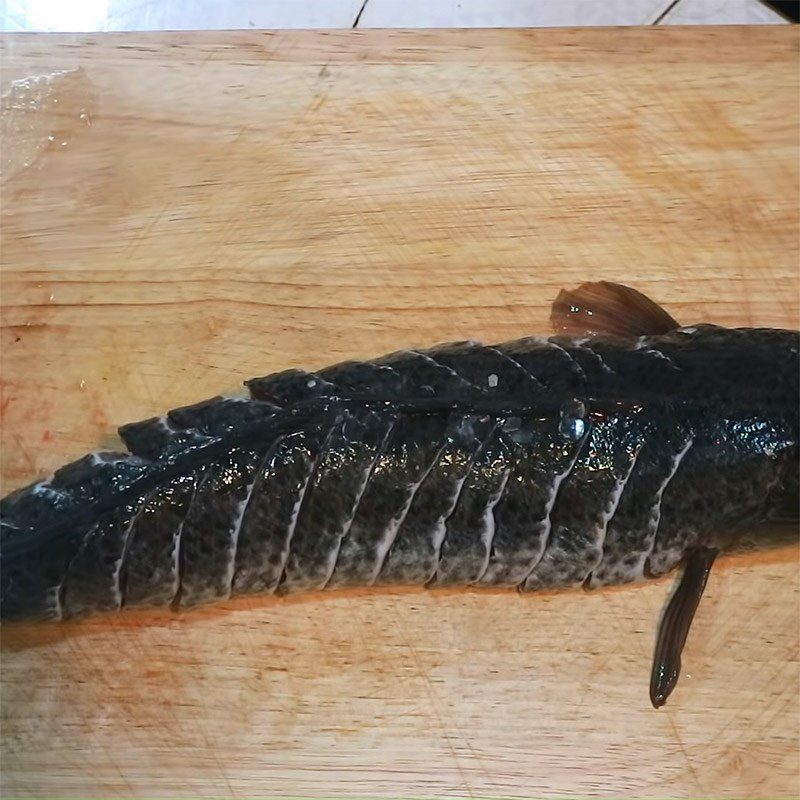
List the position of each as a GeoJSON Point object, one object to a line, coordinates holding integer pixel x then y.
{"type": "Point", "coordinates": [619, 449]}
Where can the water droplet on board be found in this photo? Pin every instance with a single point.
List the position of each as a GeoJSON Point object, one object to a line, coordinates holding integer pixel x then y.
{"type": "Point", "coordinates": [41, 114]}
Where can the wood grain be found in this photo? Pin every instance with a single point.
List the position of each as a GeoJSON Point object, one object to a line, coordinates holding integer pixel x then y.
{"type": "Point", "coordinates": [184, 211]}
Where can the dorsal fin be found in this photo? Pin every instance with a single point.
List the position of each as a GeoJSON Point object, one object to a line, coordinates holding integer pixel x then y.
{"type": "Point", "coordinates": [608, 308]}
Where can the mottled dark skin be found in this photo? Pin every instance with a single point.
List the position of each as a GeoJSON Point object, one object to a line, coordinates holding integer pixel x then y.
{"type": "Point", "coordinates": [541, 455]}
{"type": "Point", "coordinates": [618, 449]}
{"type": "Point", "coordinates": [89, 584]}
{"type": "Point", "coordinates": [464, 552]}
{"type": "Point", "coordinates": [206, 550]}
{"type": "Point", "coordinates": [331, 498]}
{"type": "Point", "coordinates": [150, 570]}
{"type": "Point", "coordinates": [267, 526]}
{"type": "Point", "coordinates": [414, 552]}
{"type": "Point", "coordinates": [413, 446]}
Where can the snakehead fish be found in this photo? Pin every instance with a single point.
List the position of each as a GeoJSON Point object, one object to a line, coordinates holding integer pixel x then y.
{"type": "Point", "coordinates": [619, 449]}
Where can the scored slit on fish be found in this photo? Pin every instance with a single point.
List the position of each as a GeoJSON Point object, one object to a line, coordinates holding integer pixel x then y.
{"type": "Point", "coordinates": [390, 534]}
{"type": "Point", "coordinates": [440, 530]}
{"type": "Point", "coordinates": [359, 494]}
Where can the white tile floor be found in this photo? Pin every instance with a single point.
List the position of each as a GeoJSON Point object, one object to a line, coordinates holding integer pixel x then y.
{"type": "Point", "coordinates": [126, 15]}
{"type": "Point", "coordinates": [721, 12]}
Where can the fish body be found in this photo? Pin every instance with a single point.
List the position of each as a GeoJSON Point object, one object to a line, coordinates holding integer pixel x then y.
{"type": "Point", "coordinates": [589, 458]}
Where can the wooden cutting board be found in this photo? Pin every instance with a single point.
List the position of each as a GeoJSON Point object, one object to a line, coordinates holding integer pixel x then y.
{"type": "Point", "coordinates": [184, 211]}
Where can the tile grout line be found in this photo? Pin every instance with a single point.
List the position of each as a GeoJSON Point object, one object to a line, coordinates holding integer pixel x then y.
{"type": "Point", "coordinates": [664, 13]}
{"type": "Point", "coordinates": [360, 12]}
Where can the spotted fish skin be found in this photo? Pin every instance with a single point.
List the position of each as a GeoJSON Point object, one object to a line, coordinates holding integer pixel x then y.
{"type": "Point", "coordinates": [534, 464]}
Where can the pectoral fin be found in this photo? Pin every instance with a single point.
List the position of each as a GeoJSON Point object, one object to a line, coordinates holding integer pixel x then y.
{"type": "Point", "coordinates": [675, 625]}
{"type": "Point", "coordinates": [608, 308]}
